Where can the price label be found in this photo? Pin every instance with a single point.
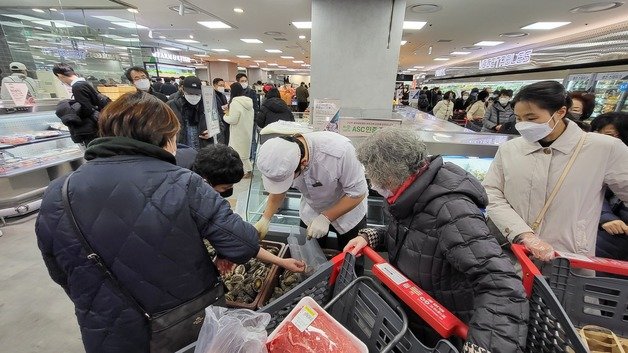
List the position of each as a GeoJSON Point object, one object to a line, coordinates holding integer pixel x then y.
{"type": "Point", "coordinates": [304, 318]}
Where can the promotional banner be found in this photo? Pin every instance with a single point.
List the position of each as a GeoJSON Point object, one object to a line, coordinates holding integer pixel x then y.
{"type": "Point", "coordinates": [325, 113]}
{"type": "Point", "coordinates": [211, 110]}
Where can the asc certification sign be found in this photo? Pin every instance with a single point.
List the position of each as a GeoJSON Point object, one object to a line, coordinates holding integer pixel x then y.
{"type": "Point", "coordinates": [512, 59]}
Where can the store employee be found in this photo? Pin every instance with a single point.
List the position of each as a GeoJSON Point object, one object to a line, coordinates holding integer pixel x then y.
{"type": "Point", "coordinates": [323, 166]}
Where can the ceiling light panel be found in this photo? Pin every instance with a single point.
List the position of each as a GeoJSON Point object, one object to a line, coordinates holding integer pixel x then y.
{"type": "Point", "coordinates": [545, 25]}
{"type": "Point", "coordinates": [287, 57]}
{"type": "Point", "coordinates": [259, 61]}
{"type": "Point", "coordinates": [301, 37]}
{"type": "Point", "coordinates": [214, 24]}
{"type": "Point", "coordinates": [224, 60]}
{"type": "Point", "coordinates": [251, 41]}
{"type": "Point", "coordinates": [460, 52]}
{"type": "Point", "coordinates": [220, 50]}
{"type": "Point", "coordinates": [243, 56]}
{"type": "Point", "coordinates": [413, 24]}
{"type": "Point", "coordinates": [302, 25]}
{"type": "Point", "coordinates": [273, 51]}
{"type": "Point", "coordinates": [238, 10]}
{"type": "Point", "coordinates": [488, 43]}
{"type": "Point", "coordinates": [297, 61]}
{"type": "Point", "coordinates": [273, 64]}
{"type": "Point", "coordinates": [441, 59]}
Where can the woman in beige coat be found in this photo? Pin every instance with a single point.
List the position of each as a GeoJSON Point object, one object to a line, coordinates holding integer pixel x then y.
{"type": "Point", "coordinates": [240, 116]}
{"type": "Point", "coordinates": [444, 109]}
{"type": "Point", "coordinates": [526, 170]}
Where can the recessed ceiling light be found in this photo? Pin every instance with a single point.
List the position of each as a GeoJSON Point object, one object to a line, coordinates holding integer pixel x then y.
{"type": "Point", "coordinates": [162, 37]}
{"type": "Point", "coordinates": [596, 7]}
{"type": "Point", "coordinates": [441, 59]}
{"type": "Point", "coordinates": [214, 24]}
{"type": "Point", "coordinates": [259, 61]}
{"type": "Point", "coordinates": [297, 61]}
{"type": "Point", "coordinates": [251, 41]}
{"type": "Point", "coordinates": [53, 9]}
{"type": "Point", "coordinates": [301, 37]}
{"type": "Point", "coordinates": [419, 67]}
{"type": "Point", "coordinates": [129, 24]}
{"type": "Point", "coordinates": [273, 64]}
{"type": "Point", "coordinates": [39, 10]}
{"type": "Point", "coordinates": [133, 10]}
{"type": "Point", "coordinates": [460, 52]}
{"type": "Point", "coordinates": [403, 42]}
{"type": "Point", "coordinates": [243, 56]}
{"type": "Point", "coordinates": [413, 24]}
{"type": "Point", "coordinates": [513, 34]}
{"type": "Point", "coordinates": [191, 36]}
{"type": "Point", "coordinates": [187, 40]}
{"type": "Point", "coordinates": [545, 25]}
{"type": "Point", "coordinates": [273, 51]}
{"type": "Point", "coordinates": [488, 43]}
{"type": "Point", "coordinates": [425, 8]}
{"type": "Point", "coordinates": [220, 50]}
{"type": "Point", "coordinates": [287, 57]}
{"type": "Point", "coordinates": [302, 25]}
{"type": "Point", "coordinates": [224, 60]}
{"type": "Point", "coordinates": [238, 10]}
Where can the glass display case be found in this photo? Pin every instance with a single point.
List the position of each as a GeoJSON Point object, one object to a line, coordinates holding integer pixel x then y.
{"type": "Point", "coordinates": [476, 166]}
{"type": "Point", "coordinates": [35, 148]}
{"type": "Point", "coordinates": [607, 91]}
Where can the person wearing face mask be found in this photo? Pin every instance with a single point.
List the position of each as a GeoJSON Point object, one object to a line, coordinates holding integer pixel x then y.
{"type": "Point", "coordinates": [439, 239]}
{"type": "Point", "coordinates": [222, 104]}
{"type": "Point", "coordinates": [139, 77]}
{"type": "Point", "coordinates": [241, 119]}
{"type": "Point", "coordinates": [444, 109]}
{"type": "Point", "coordinates": [582, 108]}
{"type": "Point", "coordinates": [243, 80]}
{"type": "Point", "coordinates": [546, 188]}
{"type": "Point", "coordinates": [323, 166]}
{"type": "Point", "coordinates": [190, 111]}
{"type": "Point", "coordinates": [500, 113]}
{"type": "Point", "coordinates": [476, 111]}
{"type": "Point", "coordinates": [461, 103]}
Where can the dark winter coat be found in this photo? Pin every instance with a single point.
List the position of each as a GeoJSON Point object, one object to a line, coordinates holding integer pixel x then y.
{"type": "Point", "coordinates": [273, 110]}
{"type": "Point", "coordinates": [608, 245]}
{"type": "Point", "coordinates": [497, 115]}
{"type": "Point", "coordinates": [221, 100]}
{"type": "Point", "coordinates": [450, 253]}
{"type": "Point", "coordinates": [189, 115]}
{"type": "Point", "coordinates": [168, 89]}
{"type": "Point", "coordinates": [81, 130]}
{"type": "Point", "coordinates": [162, 97]}
{"type": "Point", "coordinates": [146, 218]}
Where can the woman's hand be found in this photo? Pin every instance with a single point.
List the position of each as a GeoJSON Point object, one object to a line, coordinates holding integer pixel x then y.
{"type": "Point", "coordinates": [356, 245]}
{"type": "Point", "coordinates": [292, 265]}
{"type": "Point", "coordinates": [539, 249]}
{"type": "Point", "coordinates": [615, 227]}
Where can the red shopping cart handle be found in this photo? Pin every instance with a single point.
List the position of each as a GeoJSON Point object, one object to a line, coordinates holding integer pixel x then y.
{"type": "Point", "coordinates": [434, 314]}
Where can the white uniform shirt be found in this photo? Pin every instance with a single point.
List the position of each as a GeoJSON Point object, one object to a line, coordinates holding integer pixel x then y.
{"type": "Point", "coordinates": [333, 172]}
{"type": "Point", "coordinates": [523, 175]}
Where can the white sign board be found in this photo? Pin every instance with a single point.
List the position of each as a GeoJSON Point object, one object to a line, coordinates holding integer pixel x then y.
{"type": "Point", "coordinates": [351, 127]}
{"type": "Point", "coordinates": [211, 111]}
{"type": "Point", "coordinates": [612, 76]}
{"type": "Point", "coordinates": [18, 92]}
{"type": "Point", "coordinates": [324, 112]}
{"type": "Point", "coordinates": [169, 56]}
{"type": "Point", "coordinates": [506, 60]}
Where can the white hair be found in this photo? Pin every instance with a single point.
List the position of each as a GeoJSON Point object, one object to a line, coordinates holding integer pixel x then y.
{"type": "Point", "coordinates": [391, 155]}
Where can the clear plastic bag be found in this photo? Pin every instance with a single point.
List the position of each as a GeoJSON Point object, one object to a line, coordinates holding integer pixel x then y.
{"type": "Point", "coordinates": [233, 330]}
{"type": "Point", "coordinates": [306, 250]}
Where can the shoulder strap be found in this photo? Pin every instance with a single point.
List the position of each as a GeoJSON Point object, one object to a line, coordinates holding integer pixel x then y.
{"type": "Point", "coordinates": [92, 255]}
{"type": "Point", "coordinates": [539, 218]}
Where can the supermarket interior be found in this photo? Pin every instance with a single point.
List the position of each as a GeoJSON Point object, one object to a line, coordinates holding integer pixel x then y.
{"type": "Point", "coordinates": [314, 175]}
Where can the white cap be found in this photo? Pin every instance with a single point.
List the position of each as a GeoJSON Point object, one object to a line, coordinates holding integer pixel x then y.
{"type": "Point", "coordinates": [277, 160]}
{"type": "Point", "coordinates": [17, 66]}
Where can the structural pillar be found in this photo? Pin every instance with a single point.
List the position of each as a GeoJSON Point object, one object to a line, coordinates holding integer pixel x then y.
{"type": "Point", "coordinates": [255, 75]}
{"type": "Point", "coordinates": [355, 54]}
{"type": "Point", "coordinates": [221, 69]}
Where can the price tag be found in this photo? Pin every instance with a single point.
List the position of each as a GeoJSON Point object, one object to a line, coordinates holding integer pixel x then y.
{"type": "Point", "coordinates": [392, 273]}
{"type": "Point", "coordinates": [304, 318]}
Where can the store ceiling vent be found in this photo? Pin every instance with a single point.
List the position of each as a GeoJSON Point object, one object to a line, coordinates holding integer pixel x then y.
{"type": "Point", "coordinates": [445, 40]}
{"type": "Point", "coordinates": [281, 39]}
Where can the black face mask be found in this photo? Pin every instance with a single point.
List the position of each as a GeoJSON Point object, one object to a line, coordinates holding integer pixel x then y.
{"type": "Point", "coordinates": [227, 193]}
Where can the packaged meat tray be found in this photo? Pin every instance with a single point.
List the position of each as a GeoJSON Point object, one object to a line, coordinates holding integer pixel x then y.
{"type": "Point", "coordinates": [310, 329]}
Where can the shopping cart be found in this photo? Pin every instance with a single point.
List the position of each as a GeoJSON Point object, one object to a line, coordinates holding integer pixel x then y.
{"type": "Point", "coordinates": [373, 316]}
{"type": "Point", "coordinates": [588, 300]}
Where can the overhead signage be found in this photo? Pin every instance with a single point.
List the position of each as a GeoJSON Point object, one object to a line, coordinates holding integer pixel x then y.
{"type": "Point", "coordinates": [65, 53]}
{"type": "Point", "coordinates": [580, 77]}
{"type": "Point", "coordinates": [106, 56]}
{"type": "Point", "coordinates": [351, 127]}
{"type": "Point", "coordinates": [506, 60]}
{"type": "Point", "coordinates": [440, 72]}
{"type": "Point", "coordinates": [211, 111]}
{"type": "Point", "coordinates": [612, 76]}
{"type": "Point", "coordinates": [160, 54]}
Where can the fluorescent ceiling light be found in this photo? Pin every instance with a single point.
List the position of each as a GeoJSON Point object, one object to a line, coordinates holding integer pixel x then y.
{"type": "Point", "coordinates": [272, 64]}
{"type": "Point", "coordinates": [224, 60]}
{"type": "Point", "coordinates": [187, 40]}
{"type": "Point", "coordinates": [273, 51]}
{"type": "Point", "coordinates": [546, 25]}
{"type": "Point", "coordinates": [441, 59]}
{"type": "Point", "coordinates": [301, 37]}
{"type": "Point", "coordinates": [488, 43]}
{"type": "Point", "coordinates": [171, 48]}
{"type": "Point", "coordinates": [302, 25]}
{"type": "Point", "coordinates": [129, 24]}
{"type": "Point", "coordinates": [133, 10]}
{"type": "Point", "coordinates": [251, 41]}
{"type": "Point", "coordinates": [220, 50]}
{"type": "Point", "coordinates": [39, 10]}
{"type": "Point", "coordinates": [260, 61]}
{"type": "Point", "coordinates": [241, 68]}
{"type": "Point", "coordinates": [297, 61]}
{"type": "Point", "coordinates": [243, 56]}
{"type": "Point", "coordinates": [283, 67]}
{"type": "Point", "coordinates": [214, 24]}
{"type": "Point", "coordinates": [112, 18]}
{"type": "Point", "coordinates": [413, 24]}
{"type": "Point", "coordinates": [403, 42]}
{"type": "Point", "coordinates": [238, 10]}
{"type": "Point", "coordinates": [287, 57]}
{"type": "Point", "coordinates": [126, 39]}
{"type": "Point", "coordinates": [412, 70]}
{"type": "Point", "coordinates": [460, 52]}
{"type": "Point", "coordinates": [419, 67]}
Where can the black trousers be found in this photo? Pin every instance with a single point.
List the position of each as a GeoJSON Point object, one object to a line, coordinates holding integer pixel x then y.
{"type": "Point", "coordinates": [343, 239]}
{"type": "Point", "coordinates": [302, 106]}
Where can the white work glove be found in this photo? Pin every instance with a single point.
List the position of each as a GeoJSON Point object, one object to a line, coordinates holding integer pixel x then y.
{"type": "Point", "coordinates": [262, 227]}
{"type": "Point", "coordinates": [539, 249]}
{"type": "Point", "coordinates": [319, 227]}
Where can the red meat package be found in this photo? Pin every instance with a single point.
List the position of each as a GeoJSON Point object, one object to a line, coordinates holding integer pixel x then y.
{"type": "Point", "coordinates": [310, 329]}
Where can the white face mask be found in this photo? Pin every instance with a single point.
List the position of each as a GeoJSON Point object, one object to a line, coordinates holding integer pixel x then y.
{"type": "Point", "coordinates": [220, 89]}
{"type": "Point", "coordinates": [380, 190]}
{"type": "Point", "coordinates": [142, 84]}
{"type": "Point", "coordinates": [192, 98]}
{"type": "Point", "coordinates": [534, 132]}
{"type": "Point", "coordinates": [244, 85]}
{"type": "Point", "coordinates": [504, 101]}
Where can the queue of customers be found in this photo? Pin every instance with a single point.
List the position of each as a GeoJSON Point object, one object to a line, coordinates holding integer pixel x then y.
{"type": "Point", "coordinates": [140, 212]}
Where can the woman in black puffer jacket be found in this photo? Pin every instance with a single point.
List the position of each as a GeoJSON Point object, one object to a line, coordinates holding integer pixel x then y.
{"type": "Point", "coordinates": [439, 239]}
{"type": "Point", "coordinates": [273, 109]}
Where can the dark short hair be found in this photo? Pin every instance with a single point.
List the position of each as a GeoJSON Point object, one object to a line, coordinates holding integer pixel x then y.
{"type": "Point", "coordinates": [127, 73]}
{"type": "Point", "coordinates": [449, 94]}
{"type": "Point", "coordinates": [219, 164]}
{"type": "Point", "coordinates": [603, 120]}
{"type": "Point", "coordinates": [139, 116]}
{"type": "Point", "coordinates": [483, 95]}
{"type": "Point", "coordinates": [272, 93]}
{"type": "Point", "coordinates": [588, 102]}
{"type": "Point", "coordinates": [240, 75]}
{"type": "Point", "coordinates": [548, 95]}
{"type": "Point", "coordinates": [63, 69]}
{"type": "Point", "coordinates": [506, 92]}
{"type": "Point", "coordinates": [216, 80]}
{"type": "Point", "coordinates": [181, 77]}
{"type": "Point", "coordinates": [236, 90]}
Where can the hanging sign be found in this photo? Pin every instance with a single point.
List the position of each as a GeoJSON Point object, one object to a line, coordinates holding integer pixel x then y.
{"type": "Point", "coordinates": [160, 54]}
{"type": "Point", "coordinates": [211, 111]}
{"type": "Point", "coordinates": [511, 59]}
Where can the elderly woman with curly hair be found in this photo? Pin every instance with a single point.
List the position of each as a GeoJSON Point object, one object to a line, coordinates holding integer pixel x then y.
{"type": "Point", "coordinates": [439, 239]}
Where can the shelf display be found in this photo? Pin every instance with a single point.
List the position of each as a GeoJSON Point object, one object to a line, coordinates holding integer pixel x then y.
{"type": "Point", "coordinates": [607, 91]}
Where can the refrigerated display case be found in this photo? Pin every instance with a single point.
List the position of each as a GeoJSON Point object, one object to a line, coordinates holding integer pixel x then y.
{"type": "Point", "coordinates": [34, 150]}
{"type": "Point", "coordinates": [579, 82]}
{"type": "Point", "coordinates": [608, 94]}
{"type": "Point", "coordinates": [459, 86]}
